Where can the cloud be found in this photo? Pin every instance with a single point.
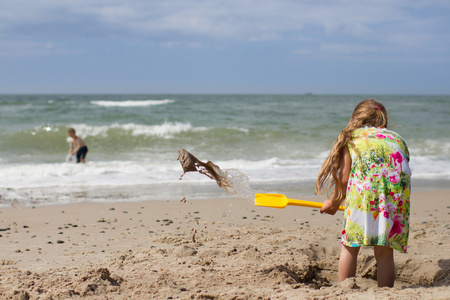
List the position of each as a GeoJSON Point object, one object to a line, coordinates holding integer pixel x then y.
{"type": "Point", "coordinates": [337, 24]}
{"type": "Point", "coordinates": [334, 48]}
{"type": "Point", "coordinates": [32, 48]}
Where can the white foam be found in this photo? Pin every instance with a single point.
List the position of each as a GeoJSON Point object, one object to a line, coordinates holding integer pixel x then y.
{"type": "Point", "coordinates": [131, 103]}
{"type": "Point", "coordinates": [429, 167]}
{"type": "Point", "coordinates": [249, 164]}
{"type": "Point", "coordinates": [167, 171]}
{"type": "Point", "coordinates": [89, 174]}
{"type": "Point", "coordinates": [110, 173]}
{"type": "Point", "coordinates": [167, 129]}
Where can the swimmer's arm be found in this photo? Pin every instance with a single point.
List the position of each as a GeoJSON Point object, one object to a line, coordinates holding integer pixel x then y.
{"type": "Point", "coordinates": [76, 149]}
{"type": "Point", "coordinates": [330, 206]}
{"type": "Point", "coordinates": [71, 146]}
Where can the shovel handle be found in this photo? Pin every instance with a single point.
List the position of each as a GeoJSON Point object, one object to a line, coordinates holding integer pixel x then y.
{"type": "Point", "coordinates": [308, 203]}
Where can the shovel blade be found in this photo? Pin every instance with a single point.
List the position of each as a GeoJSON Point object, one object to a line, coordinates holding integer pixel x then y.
{"type": "Point", "coordinates": [271, 200]}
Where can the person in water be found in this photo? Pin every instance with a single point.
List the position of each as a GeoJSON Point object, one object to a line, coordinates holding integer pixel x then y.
{"type": "Point", "coordinates": [80, 146]}
{"type": "Point", "coordinates": [368, 166]}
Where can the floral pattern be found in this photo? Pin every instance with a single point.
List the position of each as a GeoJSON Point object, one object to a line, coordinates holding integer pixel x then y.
{"type": "Point", "coordinates": [377, 200]}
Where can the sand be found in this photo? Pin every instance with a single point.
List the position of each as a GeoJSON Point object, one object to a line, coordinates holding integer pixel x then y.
{"type": "Point", "coordinates": [209, 249]}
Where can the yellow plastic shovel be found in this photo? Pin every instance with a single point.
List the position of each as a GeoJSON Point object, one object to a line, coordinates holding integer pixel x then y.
{"type": "Point", "coordinates": [280, 201]}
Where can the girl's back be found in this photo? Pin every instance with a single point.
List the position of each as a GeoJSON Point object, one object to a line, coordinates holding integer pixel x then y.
{"type": "Point", "coordinates": [377, 206]}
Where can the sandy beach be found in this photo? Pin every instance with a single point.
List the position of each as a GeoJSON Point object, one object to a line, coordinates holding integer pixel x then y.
{"type": "Point", "coordinates": [209, 249]}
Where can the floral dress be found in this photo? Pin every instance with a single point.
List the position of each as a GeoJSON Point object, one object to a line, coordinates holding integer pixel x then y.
{"type": "Point", "coordinates": [377, 200]}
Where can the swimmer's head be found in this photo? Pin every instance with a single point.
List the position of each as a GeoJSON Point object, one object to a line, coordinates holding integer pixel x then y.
{"type": "Point", "coordinates": [71, 132]}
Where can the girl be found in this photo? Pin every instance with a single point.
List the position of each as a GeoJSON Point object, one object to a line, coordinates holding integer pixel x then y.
{"type": "Point", "coordinates": [368, 166]}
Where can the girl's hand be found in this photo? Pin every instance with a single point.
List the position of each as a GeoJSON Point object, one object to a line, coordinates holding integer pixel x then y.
{"type": "Point", "coordinates": [329, 207]}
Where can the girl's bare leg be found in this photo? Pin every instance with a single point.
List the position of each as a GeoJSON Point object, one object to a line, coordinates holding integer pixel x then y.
{"type": "Point", "coordinates": [385, 266]}
{"type": "Point", "coordinates": [347, 262]}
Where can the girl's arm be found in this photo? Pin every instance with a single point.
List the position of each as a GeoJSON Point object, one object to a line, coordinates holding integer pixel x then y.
{"type": "Point", "coordinates": [330, 206]}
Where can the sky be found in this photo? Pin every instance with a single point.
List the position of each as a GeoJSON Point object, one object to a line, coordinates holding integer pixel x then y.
{"type": "Point", "coordinates": [225, 46]}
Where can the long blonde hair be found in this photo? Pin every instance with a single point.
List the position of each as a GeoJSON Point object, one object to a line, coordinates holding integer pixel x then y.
{"type": "Point", "coordinates": [367, 113]}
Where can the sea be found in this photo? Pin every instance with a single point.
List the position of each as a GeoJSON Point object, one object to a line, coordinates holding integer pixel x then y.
{"type": "Point", "coordinates": [278, 141]}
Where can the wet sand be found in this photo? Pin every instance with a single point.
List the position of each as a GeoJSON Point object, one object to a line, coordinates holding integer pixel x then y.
{"type": "Point", "coordinates": [209, 249]}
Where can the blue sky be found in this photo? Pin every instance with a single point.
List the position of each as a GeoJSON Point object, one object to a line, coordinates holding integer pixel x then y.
{"type": "Point", "coordinates": [207, 46]}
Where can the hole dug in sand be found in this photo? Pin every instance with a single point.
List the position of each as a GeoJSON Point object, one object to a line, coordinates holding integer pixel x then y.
{"type": "Point", "coordinates": [294, 274]}
{"type": "Point", "coordinates": [411, 270]}
{"type": "Point", "coordinates": [99, 281]}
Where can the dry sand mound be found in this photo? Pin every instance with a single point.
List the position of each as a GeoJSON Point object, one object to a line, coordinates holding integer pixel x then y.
{"type": "Point", "coordinates": [212, 249]}
{"type": "Point", "coordinates": [245, 263]}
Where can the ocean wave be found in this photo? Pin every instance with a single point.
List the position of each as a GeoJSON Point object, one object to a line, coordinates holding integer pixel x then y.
{"type": "Point", "coordinates": [19, 181]}
{"type": "Point", "coordinates": [167, 129]}
{"type": "Point", "coordinates": [131, 103]}
{"type": "Point", "coordinates": [162, 171]}
{"type": "Point", "coordinates": [122, 173]}
{"type": "Point", "coordinates": [93, 173]}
